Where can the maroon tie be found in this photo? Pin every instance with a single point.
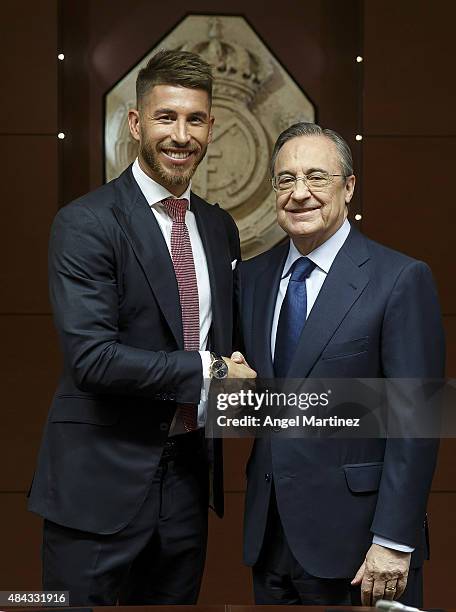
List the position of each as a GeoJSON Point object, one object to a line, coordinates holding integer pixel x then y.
{"type": "Point", "coordinates": [184, 267]}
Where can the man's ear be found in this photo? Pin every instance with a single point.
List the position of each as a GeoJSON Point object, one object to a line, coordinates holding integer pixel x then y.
{"type": "Point", "coordinates": [349, 188]}
{"type": "Point", "coordinates": [133, 122]}
{"type": "Point", "coordinates": [211, 128]}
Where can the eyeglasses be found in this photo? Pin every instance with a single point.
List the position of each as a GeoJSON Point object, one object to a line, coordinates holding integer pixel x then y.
{"type": "Point", "coordinates": [315, 181]}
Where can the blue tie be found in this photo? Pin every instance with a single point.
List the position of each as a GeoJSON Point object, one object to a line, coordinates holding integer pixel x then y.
{"type": "Point", "coordinates": [292, 316]}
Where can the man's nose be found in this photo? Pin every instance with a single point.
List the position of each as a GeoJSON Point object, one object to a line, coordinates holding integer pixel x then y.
{"type": "Point", "coordinates": [180, 133]}
{"type": "Point", "coordinates": [300, 191]}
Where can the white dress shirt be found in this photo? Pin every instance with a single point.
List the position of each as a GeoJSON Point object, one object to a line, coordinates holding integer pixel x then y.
{"type": "Point", "coordinates": [154, 194]}
{"type": "Point", "coordinates": [323, 258]}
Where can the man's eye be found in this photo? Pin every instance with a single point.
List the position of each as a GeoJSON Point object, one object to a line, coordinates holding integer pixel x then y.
{"type": "Point", "coordinates": [164, 118]}
{"type": "Point", "coordinates": [317, 177]}
{"type": "Point", "coordinates": [286, 181]}
{"type": "Point", "coordinates": [196, 120]}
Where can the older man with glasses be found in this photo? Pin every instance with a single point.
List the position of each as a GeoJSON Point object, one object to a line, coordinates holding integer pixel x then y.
{"type": "Point", "coordinates": [334, 521]}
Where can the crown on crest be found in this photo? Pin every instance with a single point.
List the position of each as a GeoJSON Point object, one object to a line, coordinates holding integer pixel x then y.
{"type": "Point", "coordinates": [238, 73]}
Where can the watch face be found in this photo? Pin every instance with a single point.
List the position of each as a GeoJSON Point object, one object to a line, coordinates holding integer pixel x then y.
{"type": "Point", "coordinates": [219, 369]}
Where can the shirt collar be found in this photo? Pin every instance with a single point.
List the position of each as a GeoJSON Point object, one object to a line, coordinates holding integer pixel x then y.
{"type": "Point", "coordinates": [324, 255]}
{"type": "Point", "coordinates": [153, 191]}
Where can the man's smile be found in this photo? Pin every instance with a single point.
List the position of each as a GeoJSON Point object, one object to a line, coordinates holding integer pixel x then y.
{"type": "Point", "coordinates": [302, 211]}
{"type": "Point", "coordinates": [178, 157]}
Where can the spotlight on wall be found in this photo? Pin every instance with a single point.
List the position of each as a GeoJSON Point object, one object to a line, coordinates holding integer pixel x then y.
{"type": "Point", "coordinates": [61, 56]}
{"type": "Point", "coordinates": [359, 59]}
{"type": "Point", "coordinates": [358, 217]}
{"type": "Point", "coordinates": [61, 135]}
{"type": "Point", "coordinates": [358, 137]}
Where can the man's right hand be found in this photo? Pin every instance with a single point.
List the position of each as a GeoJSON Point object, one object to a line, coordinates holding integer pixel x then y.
{"type": "Point", "coordinates": [236, 369]}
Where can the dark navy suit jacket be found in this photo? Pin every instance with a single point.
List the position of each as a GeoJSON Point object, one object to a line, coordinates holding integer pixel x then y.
{"type": "Point", "coordinates": [117, 311]}
{"type": "Point", "coordinates": [377, 315]}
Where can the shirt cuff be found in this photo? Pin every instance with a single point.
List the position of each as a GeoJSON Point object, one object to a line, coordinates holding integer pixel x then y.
{"type": "Point", "coordinates": [202, 406]}
{"type": "Point", "coordinates": [391, 544]}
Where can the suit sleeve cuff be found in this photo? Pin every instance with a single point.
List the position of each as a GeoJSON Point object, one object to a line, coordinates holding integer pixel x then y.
{"type": "Point", "coordinates": [391, 544]}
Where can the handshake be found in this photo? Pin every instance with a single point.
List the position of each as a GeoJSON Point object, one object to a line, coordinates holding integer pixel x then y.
{"type": "Point", "coordinates": [238, 366]}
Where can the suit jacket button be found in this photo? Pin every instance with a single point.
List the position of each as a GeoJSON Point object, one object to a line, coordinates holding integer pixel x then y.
{"type": "Point", "coordinates": [164, 426]}
{"type": "Point", "coordinates": [267, 477]}
{"type": "Point", "coordinates": [171, 397]}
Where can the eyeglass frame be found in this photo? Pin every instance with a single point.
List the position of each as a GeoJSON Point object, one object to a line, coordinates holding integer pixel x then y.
{"type": "Point", "coordinates": [302, 178]}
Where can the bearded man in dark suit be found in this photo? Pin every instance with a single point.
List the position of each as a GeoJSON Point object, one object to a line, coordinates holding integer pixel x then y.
{"type": "Point", "coordinates": [324, 516]}
{"type": "Point", "coordinates": [140, 275]}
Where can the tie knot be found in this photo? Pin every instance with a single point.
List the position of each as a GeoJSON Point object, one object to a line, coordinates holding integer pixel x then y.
{"type": "Point", "coordinates": [301, 269]}
{"type": "Point", "coordinates": [176, 209]}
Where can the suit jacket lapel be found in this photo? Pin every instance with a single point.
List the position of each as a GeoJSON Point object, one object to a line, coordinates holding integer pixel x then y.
{"type": "Point", "coordinates": [343, 286]}
{"type": "Point", "coordinates": [134, 215]}
{"type": "Point", "coordinates": [216, 245]}
{"type": "Point", "coordinates": [266, 288]}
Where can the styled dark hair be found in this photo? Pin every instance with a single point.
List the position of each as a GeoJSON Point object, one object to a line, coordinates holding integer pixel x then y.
{"type": "Point", "coordinates": [180, 68]}
{"type": "Point", "coordinates": [312, 129]}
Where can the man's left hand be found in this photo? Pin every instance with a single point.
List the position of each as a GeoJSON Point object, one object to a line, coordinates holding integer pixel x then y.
{"type": "Point", "coordinates": [383, 575]}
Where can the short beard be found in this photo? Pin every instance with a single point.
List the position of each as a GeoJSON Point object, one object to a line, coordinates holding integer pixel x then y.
{"type": "Point", "coordinates": [150, 157]}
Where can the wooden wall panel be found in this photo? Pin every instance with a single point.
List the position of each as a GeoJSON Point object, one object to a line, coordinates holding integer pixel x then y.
{"type": "Point", "coordinates": [20, 535]}
{"type": "Point", "coordinates": [29, 203]}
{"type": "Point", "coordinates": [407, 203]}
{"type": "Point", "coordinates": [409, 131]}
{"type": "Point", "coordinates": [439, 571]}
{"type": "Point", "coordinates": [408, 53]}
{"type": "Point", "coordinates": [30, 371]}
{"type": "Point", "coordinates": [445, 476]}
{"type": "Point", "coordinates": [226, 579]}
{"type": "Point", "coordinates": [28, 31]}
{"type": "Point", "coordinates": [74, 96]}
{"type": "Point", "coordinates": [29, 161]}
{"type": "Point", "coordinates": [449, 323]}
{"type": "Point", "coordinates": [236, 452]}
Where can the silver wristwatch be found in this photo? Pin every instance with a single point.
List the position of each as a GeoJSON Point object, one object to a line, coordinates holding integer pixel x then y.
{"type": "Point", "coordinates": [218, 367]}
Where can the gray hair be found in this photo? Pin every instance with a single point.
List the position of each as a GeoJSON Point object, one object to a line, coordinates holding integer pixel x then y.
{"type": "Point", "coordinates": [312, 129]}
